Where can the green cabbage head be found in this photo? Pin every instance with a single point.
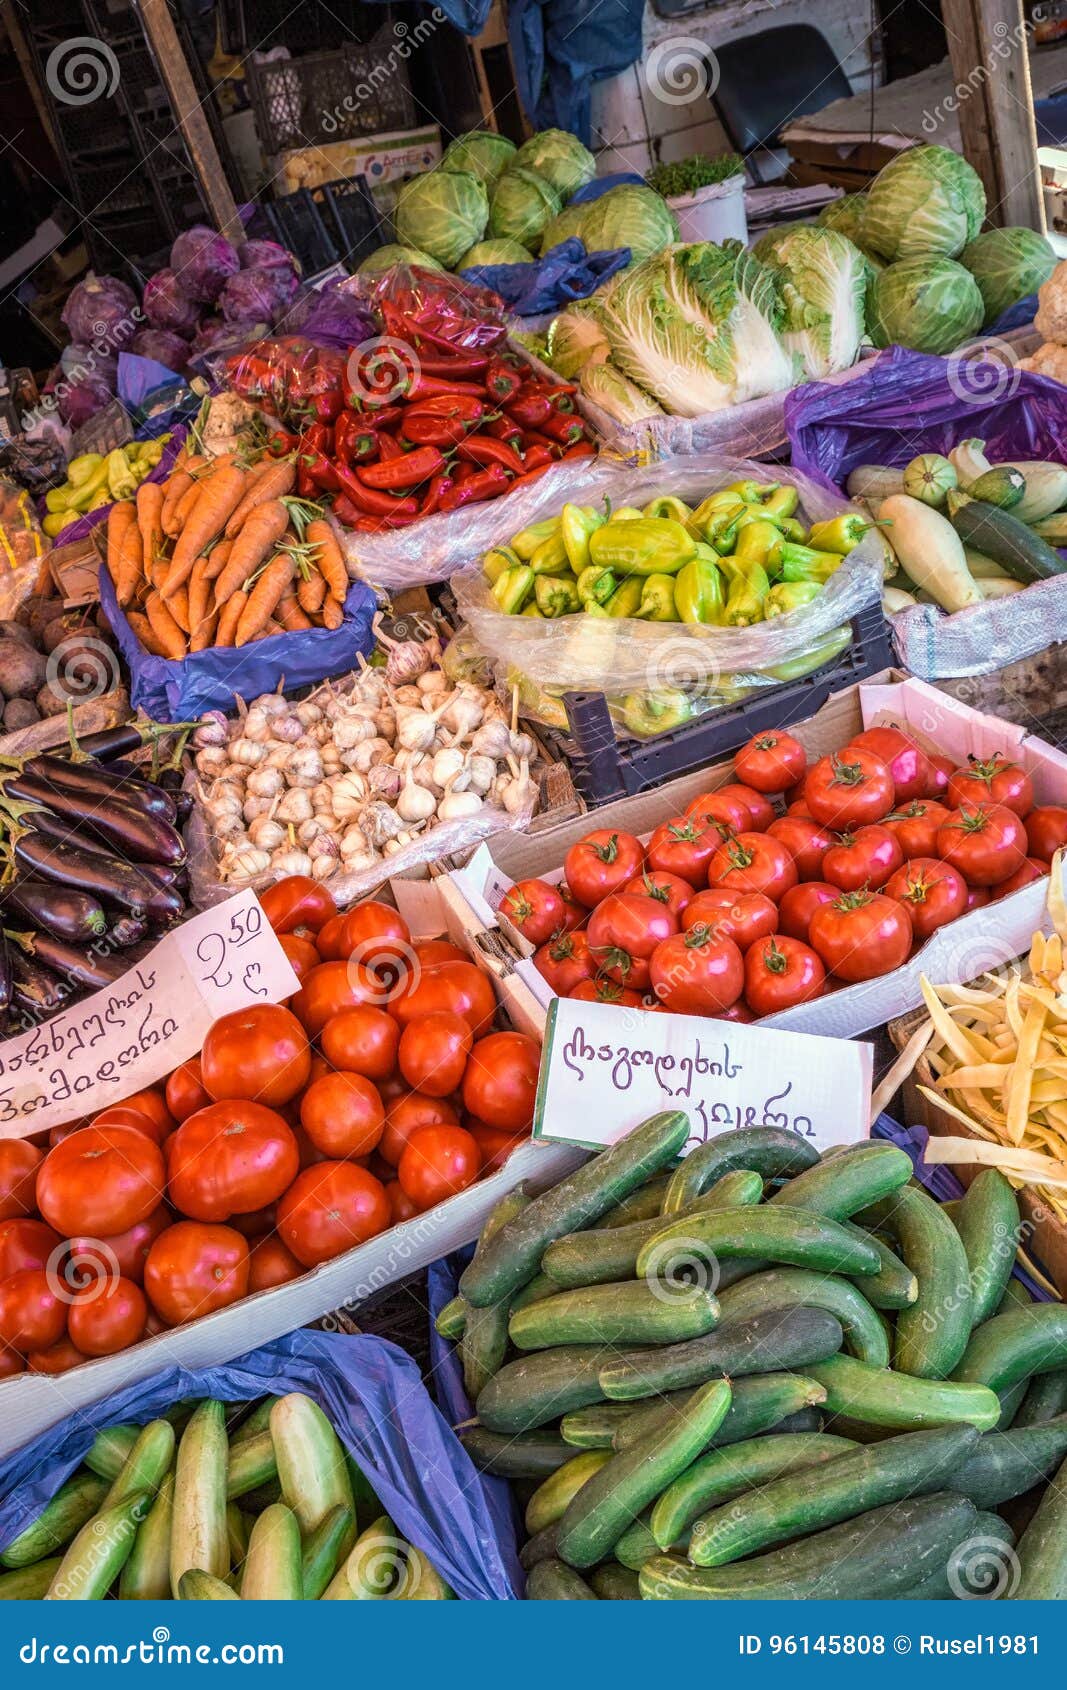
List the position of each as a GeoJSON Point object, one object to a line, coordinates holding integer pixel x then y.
{"type": "Point", "coordinates": [523, 203]}
{"type": "Point", "coordinates": [480, 153]}
{"type": "Point", "coordinates": [560, 157]}
{"type": "Point", "coordinates": [494, 252]}
{"type": "Point", "coordinates": [929, 304]}
{"type": "Point", "coordinates": [927, 202]}
{"type": "Point", "coordinates": [442, 212]}
{"type": "Point", "coordinates": [386, 256]}
{"type": "Point", "coordinates": [1007, 264]}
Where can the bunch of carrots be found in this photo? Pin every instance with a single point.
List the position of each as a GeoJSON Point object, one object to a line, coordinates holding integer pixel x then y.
{"type": "Point", "coordinates": [221, 554]}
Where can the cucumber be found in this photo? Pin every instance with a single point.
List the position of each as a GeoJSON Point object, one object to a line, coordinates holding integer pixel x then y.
{"type": "Point", "coordinates": [760, 1404]}
{"type": "Point", "coordinates": [513, 1255]}
{"type": "Point", "coordinates": [786, 1288]}
{"type": "Point", "coordinates": [197, 1586]}
{"type": "Point", "coordinates": [1011, 1402]}
{"type": "Point", "coordinates": [987, 1221]}
{"type": "Point", "coordinates": [769, 1151]}
{"type": "Point", "coordinates": [522, 1455]}
{"type": "Point", "coordinates": [1002, 486]}
{"type": "Point", "coordinates": [974, 1568]}
{"type": "Point", "coordinates": [612, 1583]}
{"type": "Point", "coordinates": [541, 1387]}
{"type": "Point", "coordinates": [631, 1312]}
{"type": "Point", "coordinates": [932, 1333]}
{"type": "Point", "coordinates": [894, 1286]}
{"type": "Point", "coordinates": [637, 1545]}
{"type": "Point", "coordinates": [641, 1205]}
{"type": "Point", "coordinates": [901, 1400]}
{"type": "Point", "coordinates": [774, 1340]}
{"type": "Point", "coordinates": [254, 1423]}
{"type": "Point", "coordinates": [848, 1182]}
{"type": "Point", "coordinates": [452, 1319]}
{"type": "Point", "coordinates": [792, 1506]}
{"type": "Point", "coordinates": [544, 1546]}
{"type": "Point", "coordinates": [1007, 1463]}
{"type": "Point", "coordinates": [1046, 1397]}
{"type": "Point", "coordinates": [311, 1463]}
{"type": "Point", "coordinates": [601, 1511]}
{"type": "Point", "coordinates": [793, 1236]}
{"type": "Point", "coordinates": [804, 1420]}
{"type": "Point", "coordinates": [238, 1531]}
{"type": "Point", "coordinates": [420, 1581]}
{"type": "Point", "coordinates": [74, 1502]}
{"type": "Point", "coordinates": [109, 1449]}
{"type": "Point", "coordinates": [251, 1463]}
{"type": "Point", "coordinates": [1009, 542]}
{"type": "Point", "coordinates": [1042, 1549]}
{"type": "Point", "coordinates": [372, 1567]}
{"type": "Point", "coordinates": [539, 1286]}
{"type": "Point", "coordinates": [273, 1568]}
{"type": "Point", "coordinates": [549, 1501]}
{"type": "Point", "coordinates": [148, 1461]}
{"type": "Point", "coordinates": [551, 1581]}
{"type": "Point", "coordinates": [1016, 1296]}
{"type": "Point", "coordinates": [146, 1575]}
{"type": "Point", "coordinates": [1016, 1345]}
{"type": "Point", "coordinates": [594, 1427]}
{"type": "Point", "coordinates": [873, 1556]}
{"type": "Point", "coordinates": [605, 1254]}
{"type": "Point", "coordinates": [198, 1536]}
{"type": "Point", "coordinates": [485, 1331]}
{"type": "Point", "coordinates": [322, 1551]}
{"type": "Point", "coordinates": [93, 1562]}
{"type": "Point", "coordinates": [722, 1474]}
{"type": "Point", "coordinates": [29, 1584]}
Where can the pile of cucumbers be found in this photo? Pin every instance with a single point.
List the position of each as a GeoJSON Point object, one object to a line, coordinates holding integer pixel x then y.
{"type": "Point", "coordinates": [267, 1508]}
{"type": "Point", "coordinates": [762, 1373]}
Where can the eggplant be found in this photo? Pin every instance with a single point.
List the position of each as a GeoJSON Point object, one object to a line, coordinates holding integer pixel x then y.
{"type": "Point", "coordinates": [75, 916]}
{"type": "Point", "coordinates": [80, 965]}
{"type": "Point", "coordinates": [143, 837]}
{"type": "Point", "coordinates": [109, 878]}
{"type": "Point", "coordinates": [54, 828]}
{"type": "Point", "coordinates": [127, 930]}
{"type": "Point", "coordinates": [6, 978]}
{"type": "Point", "coordinates": [35, 989]}
{"type": "Point", "coordinates": [97, 783]}
{"type": "Point", "coordinates": [115, 742]}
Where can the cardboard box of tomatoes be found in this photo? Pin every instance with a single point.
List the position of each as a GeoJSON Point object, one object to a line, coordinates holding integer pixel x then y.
{"type": "Point", "coordinates": [821, 922]}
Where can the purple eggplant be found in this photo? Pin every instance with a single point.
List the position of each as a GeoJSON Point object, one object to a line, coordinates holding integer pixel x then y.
{"type": "Point", "coordinates": [100, 782]}
{"type": "Point", "coordinates": [114, 881]}
{"type": "Point", "coordinates": [6, 978]}
{"type": "Point", "coordinates": [67, 914]}
{"type": "Point", "coordinates": [80, 965]}
{"type": "Point", "coordinates": [145, 838]}
{"type": "Point", "coordinates": [114, 742]}
{"type": "Point", "coordinates": [36, 992]}
{"type": "Point", "coordinates": [127, 930]}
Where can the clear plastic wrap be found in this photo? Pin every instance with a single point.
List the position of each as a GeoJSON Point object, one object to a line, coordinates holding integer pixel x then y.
{"type": "Point", "coordinates": [411, 300]}
{"type": "Point", "coordinates": [22, 546]}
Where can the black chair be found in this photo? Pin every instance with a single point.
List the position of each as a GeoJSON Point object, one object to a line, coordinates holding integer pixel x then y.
{"type": "Point", "coordinates": [767, 79]}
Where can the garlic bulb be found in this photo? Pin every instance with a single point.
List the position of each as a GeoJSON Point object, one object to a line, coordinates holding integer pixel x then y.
{"type": "Point", "coordinates": [410, 697]}
{"type": "Point", "coordinates": [265, 782]}
{"type": "Point", "coordinates": [481, 770]}
{"type": "Point", "coordinates": [294, 805]}
{"type": "Point", "coordinates": [351, 731]}
{"type": "Point", "coordinates": [304, 766]}
{"type": "Point", "coordinates": [349, 795]}
{"type": "Point", "coordinates": [522, 746]}
{"type": "Point", "coordinates": [266, 834]}
{"type": "Point", "coordinates": [415, 804]}
{"type": "Point", "coordinates": [271, 704]}
{"type": "Point", "coordinates": [385, 781]}
{"type": "Point", "coordinates": [254, 807]}
{"type": "Point", "coordinates": [214, 730]}
{"type": "Point", "coordinates": [248, 751]}
{"type": "Point", "coordinates": [432, 682]}
{"type": "Point", "coordinates": [211, 761]}
{"type": "Point", "coordinates": [323, 845]}
{"type": "Point", "coordinates": [517, 794]}
{"type": "Point", "coordinates": [288, 729]}
{"type": "Point", "coordinates": [385, 723]}
{"type": "Point", "coordinates": [464, 712]}
{"type": "Point", "coordinates": [229, 826]}
{"type": "Point", "coordinates": [323, 867]}
{"type": "Point", "coordinates": [257, 725]}
{"type": "Point", "coordinates": [224, 800]}
{"type": "Point", "coordinates": [492, 739]}
{"type": "Point", "coordinates": [457, 806]}
{"type": "Point", "coordinates": [307, 713]}
{"type": "Point", "coordinates": [309, 830]}
{"type": "Point", "coordinates": [448, 766]}
{"type": "Point", "coordinates": [290, 861]}
{"type": "Point", "coordinates": [244, 862]}
{"type": "Point", "coordinates": [380, 821]}
{"type": "Point", "coordinates": [371, 752]}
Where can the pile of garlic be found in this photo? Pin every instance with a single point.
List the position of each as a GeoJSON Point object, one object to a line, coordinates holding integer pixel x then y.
{"type": "Point", "coordinates": [356, 772]}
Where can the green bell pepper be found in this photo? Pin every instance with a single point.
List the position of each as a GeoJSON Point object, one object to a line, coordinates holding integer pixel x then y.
{"type": "Point", "coordinates": [789, 595]}
{"type": "Point", "coordinates": [792, 529]}
{"type": "Point", "coordinates": [595, 586]}
{"type": "Point", "coordinates": [802, 563]}
{"type": "Point", "coordinates": [576, 523]}
{"type": "Point", "coordinates": [496, 560]}
{"type": "Point", "coordinates": [527, 540]}
{"type": "Point", "coordinates": [557, 595]}
{"type": "Point", "coordinates": [626, 598]}
{"type": "Point", "coordinates": [626, 513]}
{"type": "Point", "coordinates": [512, 589]}
{"type": "Point", "coordinates": [645, 546]}
{"type": "Point", "coordinates": [648, 713]}
{"type": "Point", "coordinates": [749, 585]}
{"type": "Point", "coordinates": [698, 592]}
{"type": "Point", "coordinates": [550, 557]}
{"type": "Point", "coordinates": [825, 652]}
{"type": "Point", "coordinates": [121, 480]}
{"type": "Point", "coordinates": [81, 468]}
{"type": "Point", "coordinates": [842, 534]}
{"type": "Point", "coordinates": [713, 513]}
{"type": "Point", "coordinates": [657, 599]}
{"type": "Point", "coordinates": [677, 509]}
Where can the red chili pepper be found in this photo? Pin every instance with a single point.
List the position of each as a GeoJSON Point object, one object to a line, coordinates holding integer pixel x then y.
{"type": "Point", "coordinates": [317, 437]}
{"type": "Point", "coordinates": [345, 511]}
{"type": "Point", "coordinates": [462, 472]}
{"type": "Point", "coordinates": [483, 449]}
{"type": "Point", "coordinates": [425, 387]}
{"type": "Point", "coordinates": [567, 430]}
{"type": "Point", "coordinates": [502, 380]}
{"type": "Point", "coordinates": [423, 429]}
{"type": "Point", "coordinates": [502, 428]}
{"type": "Point", "coordinates": [538, 384]}
{"type": "Point", "coordinates": [305, 487]}
{"type": "Point", "coordinates": [487, 484]}
{"type": "Point", "coordinates": [353, 441]}
{"type": "Point", "coordinates": [536, 456]}
{"type": "Point", "coordinates": [281, 442]}
{"type": "Point", "coordinates": [439, 486]}
{"type": "Point", "coordinates": [581, 449]}
{"type": "Point", "coordinates": [529, 410]}
{"type": "Point", "coordinates": [462, 366]}
{"type": "Point", "coordinates": [324, 407]}
{"type": "Point", "coordinates": [389, 447]}
{"type": "Point", "coordinates": [460, 405]}
{"type": "Point", "coordinates": [405, 471]}
{"type": "Point", "coordinates": [323, 473]}
{"type": "Point", "coordinates": [368, 499]}
{"type": "Point", "coordinates": [530, 475]}
{"type": "Point", "coordinates": [382, 524]}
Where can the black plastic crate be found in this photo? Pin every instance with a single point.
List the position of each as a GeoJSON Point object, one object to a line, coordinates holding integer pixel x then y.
{"type": "Point", "coordinates": [605, 768]}
{"type": "Point", "coordinates": [312, 27]}
{"type": "Point", "coordinates": [352, 214]}
{"type": "Point", "coordinates": [356, 91]}
{"type": "Point", "coordinates": [297, 222]}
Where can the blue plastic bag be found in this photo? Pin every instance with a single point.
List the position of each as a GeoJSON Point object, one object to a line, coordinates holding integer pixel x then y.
{"type": "Point", "coordinates": [567, 272]}
{"type": "Point", "coordinates": [178, 690]}
{"type": "Point", "coordinates": [373, 1395]}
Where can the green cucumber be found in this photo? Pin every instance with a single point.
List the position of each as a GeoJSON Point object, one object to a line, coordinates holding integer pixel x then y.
{"type": "Point", "coordinates": [311, 1462]}
{"type": "Point", "coordinates": [1007, 1463]}
{"type": "Point", "coordinates": [769, 1151]}
{"type": "Point", "coordinates": [641, 1205]}
{"type": "Point", "coordinates": [594, 1427]}
{"type": "Point", "coordinates": [518, 1455]}
{"type": "Point", "coordinates": [197, 1586]}
{"type": "Point", "coordinates": [419, 1580]}
{"type": "Point", "coordinates": [543, 1546]}
{"type": "Point", "coordinates": [238, 1531]}
{"type": "Point", "coordinates": [786, 1288]}
{"type": "Point", "coordinates": [631, 1312]}
{"type": "Point", "coordinates": [513, 1255]}
{"type": "Point", "coordinates": [719, 1475]}
{"type": "Point", "coordinates": [612, 1583]}
{"type": "Point", "coordinates": [1016, 1296]}
{"type": "Point", "coordinates": [322, 1551]}
{"type": "Point", "coordinates": [1042, 1549]}
{"type": "Point", "coordinates": [198, 1538]}
{"type": "Point", "coordinates": [147, 1463]}
{"type": "Point", "coordinates": [485, 1331]}
{"type": "Point", "coordinates": [1015, 1346]}
{"type": "Point", "coordinates": [601, 1511]}
{"type": "Point", "coordinates": [1009, 542]}
{"type": "Point", "coordinates": [549, 1501]}
{"type": "Point", "coordinates": [254, 1423]}
{"type": "Point", "coordinates": [146, 1575]}
{"type": "Point", "coordinates": [94, 1560]}
{"type": "Point", "coordinates": [542, 1386]}
{"type": "Point", "coordinates": [539, 1286]}
{"type": "Point", "coordinates": [932, 1333]}
{"type": "Point", "coordinates": [371, 1568]}
{"type": "Point", "coordinates": [974, 1568]}
{"type": "Point", "coordinates": [987, 1221]}
{"type": "Point", "coordinates": [792, 1506]}
{"type": "Point", "coordinates": [1011, 1402]}
{"type": "Point", "coordinates": [602, 1255]}
{"type": "Point", "coordinates": [793, 1236]}
{"type": "Point", "coordinates": [109, 1449]}
{"type": "Point", "coordinates": [902, 1400]}
{"type": "Point", "coordinates": [74, 1503]}
{"type": "Point", "coordinates": [29, 1584]}
{"type": "Point", "coordinates": [760, 1404]}
{"type": "Point", "coordinates": [848, 1182]}
{"type": "Point", "coordinates": [1046, 1397]}
{"type": "Point", "coordinates": [452, 1319]}
{"type": "Point", "coordinates": [637, 1545]}
{"type": "Point", "coordinates": [251, 1463]}
{"type": "Point", "coordinates": [874, 1556]}
{"type": "Point", "coordinates": [894, 1286]}
{"type": "Point", "coordinates": [777, 1339]}
{"type": "Point", "coordinates": [273, 1568]}
{"type": "Point", "coordinates": [551, 1581]}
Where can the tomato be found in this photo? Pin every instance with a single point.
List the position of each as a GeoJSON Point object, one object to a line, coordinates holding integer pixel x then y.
{"type": "Point", "coordinates": [376, 937]}
{"type": "Point", "coordinates": [193, 1269]}
{"type": "Point", "coordinates": [458, 988]}
{"type": "Point", "coordinates": [743, 917]}
{"type": "Point", "coordinates": [1031, 869]}
{"type": "Point", "coordinates": [328, 939]}
{"type": "Point", "coordinates": [623, 932]}
{"type": "Point", "coordinates": [255, 1222]}
{"type": "Point", "coordinates": [795, 793]}
{"type": "Point", "coordinates": [601, 863]}
{"type": "Point", "coordinates": [500, 1083]}
{"type": "Point", "coordinates": [977, 898]}
{"type": "Point", "coordinates": [864, 858]}
{"type": "Point", "coordinates": [770, 762]}
{"type": "Point", "coordinates": [849, 789]}
{"type": "Point", "coordinates": [668, 889]}
{"type": "Point", "coordinates": [933, 892]}
{"type": "Point", "coordinates": [307, 1152]}
{"type": "Point", "coordinates": [603, 990]}
{"type": "Point", "coordinates": [303, 956]}
{"type": "Point", "coordinates": [695, 974]}
{"type": "Point", "coordinates": [260, 1053]}
{"type": "Point", "coordinates": [342, 1115]}
{"type": "Point", "coordinates": [574, 913]}
{"type": "Point", "coordinates": [11, 1362]}
{"type": "Point", "coordinates": [1046, 830]}
{"type": "Point", "coordinates": [433, 1053]}
{"type": "Point", "coordinates": [19, 1162]}
{"type": "Point", "coordinates": [118, 1115]}
{"type": "Point", "coordinates": [150, 1102]}
{"type": "Point", "coordinates": [495, 1146]}
{"type": "Point", "coordinates": [401, 1208]}
{"type": "Point", "coordinates": [329, 1209]}
{"type": "Point", "coordinates": [108, 1317]}
{"type": "Point", "coordinates": [26, 1244]}
{"type": "Point", "coordinates": [907, 762]}
{"type": "Point", "coordinates": [185, 1090]}
{"type": "Point", "coordinates": [362, 1041]}
{"type": "Point", "coordinates": [986, 842]}
{"type": "Point", "coordinates": [941, 771]}
{"type": "Point", "coordinates": [805, 840]}
{"type": "Point", "coordinates": [915, 825]}
{"type": "Point", "coordinates": [565, 962]}
{"type": "Point", "coordinates": [58, 1358]}
{"type": "Point", "coordinates": [405, 1115]}
{"type": "Point", "coordinates": [685, 846]}
{"type": "Point", "coordinates": [126, 1253]}
{"type": "Point", "coordinates": [781, 972]}
{"type": "Point", "coordinates": [535, 909]}
{"type": "Point", "coordinates": [729, 814]}
{"type": "Point", "coordinates": [760, 809]}
{"type": "Point", "coordinates": [33, 1313]}
{"type": "Point", "coordinates": [861, 935]}
{"type": "Point", "coordinates": [270, 1263]}
{"type": "Point", "coordinates": [992, 780]}
{"type": "Point", "coordinates": [297, 901]}
{"type": "Point", "coordinates": [429, 952]}
{"type": "Point", "coordinates": [437, 1162]}
{"type": "Point", "coordinates": [799, 904]}
{"type": "Point", "coordinates": [230, 1158]}
{"type": "Point", "coordinates": [753, 862]}
{"type": "Point", "coordinates": [58, 1134]}
{"type": "Point", "coordinates": [100, 1181]}
{"type": "Point", "coordinates": [332, 988]}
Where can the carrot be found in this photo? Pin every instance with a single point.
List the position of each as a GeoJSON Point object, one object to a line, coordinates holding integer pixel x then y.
{"type": "Point", "coordinates": [178, 605]}
{"type": "Point", "coordinates": [185, 506]}
{"type": "Point", "coordinates": [255, 543]}
{"type": "Point", "coordinates": [177, 485]}
{"type": "Point", "coordinates": [263, 599]}
{"type": "Point", "coordinates": [145, 633]}
{"type": "Point", "coordinates": [198, 594]}
{"type": "Point", "coordinates": [271, 479]}
{"type": "Point", "coordinates": [218, 498]}
{"type": "Point", "coordinates": [289, 613]}
{"type": "Point", "coordinates": [204, 635]}
{"type": "Point", "coordinates": [311, 594]}
{"type": "Point", "coordinates": [332, 613]}
{"type": "Point", "coordinates": [149, 512]}
{"type": "Point", "coordinates": [119, 518]}
{"type": "Point", "coordinates": [268, 630]}
{"type": "Point", "coordinates": [131, 564]}
{"type": "Point", "coordinates": [215, 561]}
{"type": "Point", "coordinates": [229, 618]}
{"type": "Point", "coordinates": [166, 630]}
{"type": "Point", "coordinates": [327, 554]}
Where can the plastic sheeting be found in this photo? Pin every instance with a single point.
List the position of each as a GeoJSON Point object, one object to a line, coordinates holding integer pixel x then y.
{"type": "Point", "coordinates": [561, 47]}
{"type": "Point", "coordinates": [566, 273]}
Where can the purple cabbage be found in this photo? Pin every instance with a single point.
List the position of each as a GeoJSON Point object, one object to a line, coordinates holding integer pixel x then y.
{"type": "Point", "coordinates": [267, 255]}
{"type": "Point", "coordinates": [77, 361]}
{"type": "Point", "coordinates": [257, 293]}
{"type": "Point", "coordinates": [167, 305]}
{"type": "Point", "coordinates": [163, 346]}
{"type": "Point", "coordinates": [77, 401]}
{"type": "Point", "coordinates": [203, 261]}
{"type": "Point", "coordinates": [102, 310]}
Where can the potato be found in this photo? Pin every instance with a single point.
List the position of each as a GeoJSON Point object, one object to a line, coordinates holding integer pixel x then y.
{"type": "Point", "coordinates": [67, 625]}
{"type": "Point", "coordinates": [22, 670]}
{"type": "Point", "coordinates": [17, 631]}
{"type": "Point", "coordinates": [51, 703]}
{"type": "Point", "coordinates": [20, 713]}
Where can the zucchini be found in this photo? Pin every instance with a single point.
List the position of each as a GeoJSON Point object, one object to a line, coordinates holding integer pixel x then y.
{"type": "Point", "coordinates": [847, 1183]}
{"type": "Point", "coordinates": [513, 1255]}
{"type": "Point", "coordinates": [251, 1463]}
{"type": "Point", "coordinates": [793, 1506]}
{"type": "Point", "coordinates": [74, 1503]}
{"type": "Point", "coordinates": [930, 550]}
{"type": "Point", "coordinates": [987, 1221]}
{"type": "Point", "coordinates": [932, 1333]}
{"type": "Point", "coordinates": [1015, 1346]}
{"type": "Point", "coordinates": [769, 1151]}
{"type": "Point", "coordinates": [322, 1550]}
{"type": "Point", "coordinates": [722, 1474]}
{"type": "Point", "coordinates": [763, 1403]}
{"type": "Point", "coordinates": [973, 1569]}
{"type": "Point", "coordinates": [94, 1560]}
{"type": "Point", "coordinates": [1007, 1463]}
{"type": "Point", "coordinates": [775, 1234]}
{"type": "Point", "coordinates": [1003, 486]}
{"type": "Point", "coordinates": [1045, 1399]}
{"type": "Point", "coordinates": [198, 1537]}
{"type": "Point", "coordinates": [613, 1583]}
{"type": "Point", "coordinates": [549, 1501]}
{"type": "Point", "coordinates": [109, 1449]}
{"type": "Point", "coordinates": [311, 1463]}
{"type": "Point", "coordinates": [1042, 1549]}
{"type": "Point", "coordinates": [874, 481]}
{"type": "Point", "coordinates": [485, 1331]}
{"type": "Point", "coordinates": [551, 1581]}
{"type": "Point", "coordinates": [1046, 490]}
{"type": "Point", "coordinates": [198, 1586]}
{"type": "Point", "coordinates": [901, 1400]}
{"type": "Point", "coordinates": [542, 1386]}
{"type": "Point", "coordinates": [452, 1319]}
{"type": "Point", "coordinates": [789, 1288]}
{"type": "Point", "coordinates": [29, 1584]}
{"type": "Point", "coordinates": [894, 1286]}
{"type": "Point", "coordinates": [272, 1569]}
{"type": "Point", "coordinates": [776, 1339]}
{"type": "Point", "coordinates": [1001, 536]}
{"type": "Point", "coordinates": [146, 1575]}
{"type": "Point", "coordinates": [520, 1455]}
{"type": "Point", "coordinates": [634, 1312]}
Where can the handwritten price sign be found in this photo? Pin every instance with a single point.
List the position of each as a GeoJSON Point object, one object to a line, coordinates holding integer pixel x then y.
{"type": "Point", "coordinates": [134, 1032]}
{"type": "Point", "coordinates": [604, 1070]}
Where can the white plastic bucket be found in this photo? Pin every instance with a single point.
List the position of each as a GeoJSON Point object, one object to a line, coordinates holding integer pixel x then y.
{"type": "Point", "coordinates": [715, 213]}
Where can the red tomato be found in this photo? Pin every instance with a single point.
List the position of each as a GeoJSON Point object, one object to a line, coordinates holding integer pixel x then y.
{"type": "Point", "coordinates": [495, 1146]}
{"type": "Point", "coordinates": [185, 1090]}
{"type": "Point", "coordinates": [260, 1053]}
{"type": "Point", "coordinates": [150, 1102]}
{"type": "Point", "coordinates": [231, 1158]}
{"type": "Point", "coordinates": [915, 825]}
{"type": "Point", "coordinates": [307, 1151]}
{"type": "Point", "coordinates": [574, 913]}
{"type": "Point", "coordinates": [753, 862]}
{"type": "Point", "coordinates": [303, 956]}
{"type": "Point", "coordinates": [565, 962]}
{"type": "Point", "coordinates": [26, 1244]}
{"type": "Point", "coordinates": [992, 780]}
{"type": "Point", "coordinates": [941, 771]}
{"type": "Point", "coordinates": [685, 846]}
{"type": "Point", "coordinates": [849, 789]}
{"type": "Point", "coordinates": [986, 842]}
{"type": "Point", "coordinates": [760, 809]}
{"type": "Point", "coordinates": [332, 988]}
{"type": "Point", "coordinates": [795, 793]}
{"type": "Point", "coordinates": [781, 972]}
{"type": "Point", "coordinates": [799, 904]}
{"type": "Point", "coordinates": [100, 1181]}
{"type": "Point", "coordinates": [433, 1053]}
{"type": "Point", "coordinates": [603, 990]}
{"type": "Point", "coordinates": [694, 974]}
{"type": "Point", "coordinates": [864, 858]}
{"type": "Point", "coordinates": [328, 939]}
{"type": "Point", "coordinates": [668, 889]}
{"type": "Point", "coordinates": [59, 1358]}
{"type": "Point", "coordinates": [108, 1317]}
{"type": "Point", "coordinates": [11, 1362]}
{"type": "Point", "coordinates": [535, 908]}
{"type": "Point", "coordinates": [96, 1258]}
{"type": "Point", "coordinates": [255, 1223]}
{"type": "Point", "coordinates": [743, 917]}
{"type": "Point", "coordinates": [907, 762]}
{"type": "Point", "coordinates": [342, 1115]}
{"type": "Point", "coordinates": [270, 1263]}
{"type": "Point", "coordinates": [601, 863]}
{"type": "Point", "coordinates": [405, 1115]}
{"type": "Point", "coordinates": [58, 1134]}
{"type": "Point", "coordinates": [623, 932]}
{"type": "Point", "coordinates": [33, 1314]}
{"type": "Point", "coordinates": [932, 892]}
{"type": "Point", "coordinates": [401, 1208]}
{"type": "Point", "coordinates": [362, 1041]}
{"type": "Point", "coordinates": [437, 1162]}
{"type": "Point", "coordinates": [770, 762]}
{"type": "Point", "coordinates": [432, 951]}
{"type": "Point", "coordinates": [977, 898]}
{"type": "Point", "coordinates": [376, 937]}
{"type": "Point", "coordinates": [729, 814]}
{"type": "Point", "coordinates": [458, 988]}
{"type": "Point", "coordinates": [297, 901]}
{"type": "Point", "coordinates": [1031, 869]}
{"type": "Point", "coordinates": [806, 842]}
{"type": "Point", "coordinates": [861, 935]}
{"type": "Point", "coordinates": [193, 1269]}
{"type": "Point", "coordinates": [797, 807]}
{"type": "Point", "coordinates": [500, 1083]}
{"type": "Point", "coordinates": [19, 1162]}
{"type": "Point", "coordinates": [1046, 830]}
{"type": "Point", "coordinates": [118, 1115]}
{"type": "Point", "coordinates": [329, 1209]}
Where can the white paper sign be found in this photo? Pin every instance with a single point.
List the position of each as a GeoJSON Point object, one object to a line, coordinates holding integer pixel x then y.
{"type": "Point", "coordinates": [605, 1070]}
{"type": "Point", "coordinates": [131, 1034]}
